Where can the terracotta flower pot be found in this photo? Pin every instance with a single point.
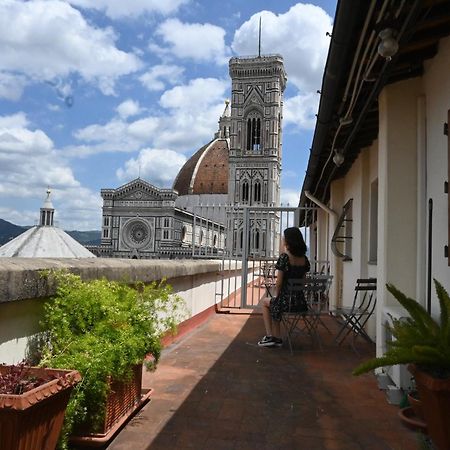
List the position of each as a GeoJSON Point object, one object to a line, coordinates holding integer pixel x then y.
{"type": "Point", "coordinates": [416, 404]}
{"type": "Point", "coordinates": [434, 394]}
{"type": "Point", "coordinates": [123, 400]}
{"type": "Point", "coordinates": [33, 420]}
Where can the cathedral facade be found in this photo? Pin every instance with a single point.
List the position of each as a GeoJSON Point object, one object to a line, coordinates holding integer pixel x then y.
{"type": "Point", "coordinates": [240, 167]}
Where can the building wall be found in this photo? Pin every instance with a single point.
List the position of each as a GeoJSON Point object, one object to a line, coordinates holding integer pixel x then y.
{"type": "Point", "coordinates": [437, 89]}
{"type": "Point", "coordinates": [409, 161]}
{"type": "Point", "coordinates": [355, 185]}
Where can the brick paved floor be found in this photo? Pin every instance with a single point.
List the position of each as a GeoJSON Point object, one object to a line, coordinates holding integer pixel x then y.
{"type": "Point", "coordinates": [216, 389]}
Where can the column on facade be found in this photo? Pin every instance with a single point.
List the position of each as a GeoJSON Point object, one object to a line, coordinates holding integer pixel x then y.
{"type": "Point", "coordinates": [397, 195]}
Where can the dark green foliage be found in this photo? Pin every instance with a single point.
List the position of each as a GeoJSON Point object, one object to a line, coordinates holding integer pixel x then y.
{"type": "Point", "coordinates": [419, 339]}
{"type": "Point", "coordinates": [103, 328]}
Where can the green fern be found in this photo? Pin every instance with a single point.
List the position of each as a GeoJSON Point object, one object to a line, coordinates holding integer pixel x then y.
{"type": "Point", "coordinates": [419, 339]}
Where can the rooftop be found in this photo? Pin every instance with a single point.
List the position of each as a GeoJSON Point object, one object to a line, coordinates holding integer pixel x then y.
{"type": "Point", "coordinates": [216, 389]}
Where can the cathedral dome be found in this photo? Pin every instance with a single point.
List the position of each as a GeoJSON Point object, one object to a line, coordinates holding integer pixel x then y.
{"type": "Point", "coordinates": [206, 172]}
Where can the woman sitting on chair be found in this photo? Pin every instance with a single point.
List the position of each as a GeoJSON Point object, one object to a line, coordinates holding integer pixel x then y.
{"type": "Point", "coordinates": [291, 264]}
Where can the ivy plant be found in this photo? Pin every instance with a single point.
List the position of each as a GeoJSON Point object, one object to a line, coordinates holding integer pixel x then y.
{"type": "Point", "coordinates": [102, 328]}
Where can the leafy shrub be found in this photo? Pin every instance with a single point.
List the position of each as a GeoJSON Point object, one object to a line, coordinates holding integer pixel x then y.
{"type": "Point", "coordinates": [102, 328]}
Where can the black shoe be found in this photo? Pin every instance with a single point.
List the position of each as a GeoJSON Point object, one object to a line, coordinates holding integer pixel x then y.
{"type": "Point", "coordinates": [267, 341]}
{"type": "Point", "coordinates": [278, 342]}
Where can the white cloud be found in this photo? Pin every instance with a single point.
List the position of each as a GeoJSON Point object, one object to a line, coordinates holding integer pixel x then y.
{"type": "Point", "coordinates": [188, 120]}
{"type": "Point", "coordinates": [157, 77]}
{"type": "Point", "coordinates": [159, 167]}
{"type": "Point", "coordinates": [11, 86]}
{"type": "Point", "coordinates": [289, 197]}
{"type": "Point", "coordinates": [299, 35]}
{"type": "Point", "coordinates": [116, 9]}
{"type": "Point", "coordinates": [28, 163]}
{"type": "Point", "coordinates": [45, 39]}
{"type": "Point", "coordinates": [301, 110]}
{"type": "Point", "coordinates": [195, 41]}
{"type": "Point", "coordinates": [18, 120]}
{"type": "Point", "coordinates": [196, 95]}
{"type": "Point", "coordinates": [128, 108]}
{"type": "Point", "coordinates": [144, 129]}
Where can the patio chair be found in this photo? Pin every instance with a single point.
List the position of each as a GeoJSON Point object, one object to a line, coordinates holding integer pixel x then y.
{"type": "Point", "coordinates": [319, 299]}
{"type": "Point", "coordinates": [292, 320]}
{"type": "Point", "coordinates": [354, 318]}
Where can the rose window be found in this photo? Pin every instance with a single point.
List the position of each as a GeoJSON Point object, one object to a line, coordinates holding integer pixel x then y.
{"type": "Point", "coordinates": [138, 233]}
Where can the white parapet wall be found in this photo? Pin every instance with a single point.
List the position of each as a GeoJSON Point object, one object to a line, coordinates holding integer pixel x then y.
{"type": "Point", "coordinates": [23, 290]}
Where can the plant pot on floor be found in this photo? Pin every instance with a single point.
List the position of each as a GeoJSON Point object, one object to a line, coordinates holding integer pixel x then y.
{"type": "Point", "coordinates": [33, 420]}
{"type": "Point", "coordinates": [415, 404]}
{"type": "Point", "coordinates": [435, 397]}
{"type": "Point", "coordinates": [123, 400]}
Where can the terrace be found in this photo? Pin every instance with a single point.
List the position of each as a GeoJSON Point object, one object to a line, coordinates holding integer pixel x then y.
{"type": "Point", "coordinates": [214, 387]}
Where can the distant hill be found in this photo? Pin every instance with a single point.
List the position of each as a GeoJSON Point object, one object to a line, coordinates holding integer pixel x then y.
{"type": "Point", "coordinates": [9, 231]}
{"type": "Point", "coordinates": [86, 237]}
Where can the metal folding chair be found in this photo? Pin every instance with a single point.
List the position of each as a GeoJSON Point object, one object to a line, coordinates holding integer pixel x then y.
{"type": "Point", "coordinates": [354, 318]}
{"type": "Point", "coordinates": [291, 320]}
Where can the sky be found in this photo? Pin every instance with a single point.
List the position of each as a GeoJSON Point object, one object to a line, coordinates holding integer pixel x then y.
{"type": "Point", "coordinates": [94, 93]}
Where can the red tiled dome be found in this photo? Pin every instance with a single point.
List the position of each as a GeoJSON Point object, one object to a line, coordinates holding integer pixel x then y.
{"type": "Point", "coordinates": [206, 172]}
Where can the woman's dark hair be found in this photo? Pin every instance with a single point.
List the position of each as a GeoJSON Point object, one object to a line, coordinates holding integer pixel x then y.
{"type": "Point", "coordinates": [294, 241]}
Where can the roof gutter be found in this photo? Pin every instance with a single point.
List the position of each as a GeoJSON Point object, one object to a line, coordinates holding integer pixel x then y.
{"type": "Point", "coordinates": [315, 200]}
{"type": "Point", "coordinates": [346, 17]}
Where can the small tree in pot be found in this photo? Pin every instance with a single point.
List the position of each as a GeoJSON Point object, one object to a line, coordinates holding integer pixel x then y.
{"type": "Point", "coordinates": [424, 343]}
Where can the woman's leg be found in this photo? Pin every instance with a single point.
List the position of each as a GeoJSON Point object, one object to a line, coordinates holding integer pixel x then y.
{"type": "Point", "coordinates": [266, 316]}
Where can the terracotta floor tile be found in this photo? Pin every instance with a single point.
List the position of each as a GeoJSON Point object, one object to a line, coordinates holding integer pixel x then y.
{"type": "Point", "coordinates": [216, 389]}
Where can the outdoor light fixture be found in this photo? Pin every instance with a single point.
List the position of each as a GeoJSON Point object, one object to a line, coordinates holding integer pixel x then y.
{"type": "Point", "coordinates": [338, 157]}
{"type": "Point", "coordinates": [388, 46]}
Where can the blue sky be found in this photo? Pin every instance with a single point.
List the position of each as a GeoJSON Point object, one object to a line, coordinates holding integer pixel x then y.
{"type": "Point", "coordinates": [94, 92]}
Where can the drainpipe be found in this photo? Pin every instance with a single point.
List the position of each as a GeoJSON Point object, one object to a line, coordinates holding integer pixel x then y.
{"type": "Point", "coordinates": [320, 204]}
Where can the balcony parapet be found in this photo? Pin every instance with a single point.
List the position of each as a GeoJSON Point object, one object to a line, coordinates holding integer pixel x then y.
{"type": "Point", "coordinates": [20, 278]}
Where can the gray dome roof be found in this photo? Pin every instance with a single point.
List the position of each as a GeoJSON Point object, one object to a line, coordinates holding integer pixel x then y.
{"type": "Point", "coordinates": [44, 242]}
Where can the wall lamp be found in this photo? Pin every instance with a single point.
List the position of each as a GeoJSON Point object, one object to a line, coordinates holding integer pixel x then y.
{"type": "Point", "coordinates": [388, 46]}
{"type": "Point", "coordinates": [338, 158]}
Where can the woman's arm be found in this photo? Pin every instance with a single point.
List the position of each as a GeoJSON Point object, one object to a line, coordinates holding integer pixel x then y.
{"type": "Point", "coordinates": [279, 283]}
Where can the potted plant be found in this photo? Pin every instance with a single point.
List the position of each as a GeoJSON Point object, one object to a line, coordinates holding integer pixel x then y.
{"type": "Point", "coordinates": [33, 401]}
{"type": "Point", "coordinates": [105, 330]}
{"type": "Point", "coordinates": [424, 344]}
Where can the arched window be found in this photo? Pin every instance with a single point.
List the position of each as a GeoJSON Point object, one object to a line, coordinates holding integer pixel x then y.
{"type": "Point", "coordinates": [254, 134]}
{"type": "Point", "coordinates": [245, 191]}
{"type": "Point", "coordinates": [257, 191]}
{"type": "Point", "coordinates": [257, 240]}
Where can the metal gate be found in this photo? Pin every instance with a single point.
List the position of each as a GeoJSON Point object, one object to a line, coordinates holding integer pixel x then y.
{"type": "Point", "coordinates": [247, 239]}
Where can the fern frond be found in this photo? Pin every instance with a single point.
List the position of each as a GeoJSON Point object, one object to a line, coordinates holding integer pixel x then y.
{"type": "Point", "coordinates": [418, 313]}
{"type": "Point", "coordinates": [444, 303]}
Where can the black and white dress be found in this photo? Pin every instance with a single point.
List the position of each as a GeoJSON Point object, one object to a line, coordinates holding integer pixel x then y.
{"type": "Point", "coordinates": [280, 303]}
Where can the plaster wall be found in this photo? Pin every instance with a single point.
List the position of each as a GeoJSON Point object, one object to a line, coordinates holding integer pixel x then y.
{"type": "Point", "coordinates": [437, 90]}
{"type": "Point", "coordinates": [336, 264]}
{"type": "Point", "coordinates": [397, 197]}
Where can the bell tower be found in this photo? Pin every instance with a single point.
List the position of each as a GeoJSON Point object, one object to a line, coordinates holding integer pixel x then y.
{"type": "Point", "coordinates": [258, 84]}
{"type": "Point", "coordinates": [255, 151]}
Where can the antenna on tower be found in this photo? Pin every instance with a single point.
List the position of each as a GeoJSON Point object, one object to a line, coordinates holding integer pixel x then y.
{"type": "Point", "coordinates": [259, 39]}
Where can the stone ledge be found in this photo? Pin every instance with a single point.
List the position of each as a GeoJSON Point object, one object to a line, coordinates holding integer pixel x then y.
{"type": "Point", "coordinates": [20, 278]}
